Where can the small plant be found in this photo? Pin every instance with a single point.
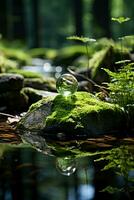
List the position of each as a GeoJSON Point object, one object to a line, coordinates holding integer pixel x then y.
{"type": "Point", "coordinates": [122, 85]}
{"type": "Point", "coordinates": [86, 41]}
{"type": "Point", "coordinates": [120, 20]}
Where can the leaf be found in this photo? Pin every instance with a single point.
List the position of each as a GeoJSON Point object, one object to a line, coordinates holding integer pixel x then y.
{"type": "Point", "coordinates": [82, 39]}
{"type": "Point", "coordinates": [120, 20]}
{"type": "Point", "coordinates": [122, 61]}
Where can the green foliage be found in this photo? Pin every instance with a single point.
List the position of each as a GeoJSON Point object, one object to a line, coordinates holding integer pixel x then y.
{"type": "Point", "coordinates": [122, 85]}
{"type": "Point", "coordinates": [120, 20]}
{"type": "Point", "coordinates": [15, 54]}
{"type": "Point", "coordinates": [25, 73]}
{"type": "Point", "coordinates": [45, 53]}
{"type": "Point", "coordinates": [82, 39]}
{"type": "Point", "coordinates": [6, 64]}
{"type": "Point", "coordinates": [120, 160]}
{"type": "Point", "coordinates": [111, 189]}
{"type": "Point", "coordinates": [86, 41]}
{"type": "Point", "coordinates": [66, 56]}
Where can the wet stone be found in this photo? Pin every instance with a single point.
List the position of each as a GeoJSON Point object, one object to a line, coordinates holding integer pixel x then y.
{"type": "Point", "coordinates": [10, 82]}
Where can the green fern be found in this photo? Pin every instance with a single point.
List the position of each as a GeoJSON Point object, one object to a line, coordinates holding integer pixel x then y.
{"type": "Point", "coordinates": [120, 160]}
{"type": "Point", "coordinates": [122, 85]}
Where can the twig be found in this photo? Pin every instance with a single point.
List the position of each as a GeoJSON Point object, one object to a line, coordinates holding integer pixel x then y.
{"type": "Point", "coordinates": [102, 88]}
{"type": "Point", "coordinates": [7, 115]}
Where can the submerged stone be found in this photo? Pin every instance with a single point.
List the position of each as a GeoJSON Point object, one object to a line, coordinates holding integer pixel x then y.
{"type": "Point", "coordinates": [81, 114]}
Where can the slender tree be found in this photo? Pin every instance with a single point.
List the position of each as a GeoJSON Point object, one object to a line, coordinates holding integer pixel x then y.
{"type": "Point", "coordinates": [35, 14]}
{"type": "Point", "coordinates": [101, 18]}
{"type": "Point", "coordinates": [78, 16]}
{"type": "Point", "coordinates": [18, 19]}
{"type": "Point", "coordinates": [3, 18]}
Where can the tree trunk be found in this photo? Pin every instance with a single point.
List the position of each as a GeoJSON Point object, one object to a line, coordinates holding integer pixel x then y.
{"type": "Point", "coordinates": [35, 14]}
{"type": "Point", "coordinates": [78, 16]}
{"type": "Point", "coordinates": [101, 18]}
{"type": "Point", "coordinates": [3, 27]}
{"type": "Point", "coordinates": [18, 19]}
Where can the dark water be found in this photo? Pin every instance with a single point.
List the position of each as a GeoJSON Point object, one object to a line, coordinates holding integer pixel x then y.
{"type": "Point", "coordinates": [76, 170]}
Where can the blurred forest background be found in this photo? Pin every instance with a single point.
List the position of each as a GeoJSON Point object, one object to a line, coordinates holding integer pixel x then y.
{"type": "Point", "coordinates": [47, 23]}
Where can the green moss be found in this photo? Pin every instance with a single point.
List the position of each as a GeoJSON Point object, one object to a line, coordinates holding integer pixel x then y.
{"type": "Point", "coordinates": [106, 58]}
{"type": "Point", "coordinates": [25, 73]}
{"type": "Point", "coordinates": [43, 53]}
{"type": "Point", "coordinates": [67, 55]}
{"type": "Point", "coordinates": [81, 111]}
{"type": "Point", "coordinates": [40, 103]}
{"type": "Point", "coordinates": [41, 83]}
{"type": "Point", "coordinates": [79, 115]}
{"type": "Point", "coordinates": [6, 64]}
{"type": "Point", "coordinates": [18, 55]}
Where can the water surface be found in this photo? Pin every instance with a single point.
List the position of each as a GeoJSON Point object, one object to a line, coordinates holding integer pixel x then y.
{"type": "Point", "coordinates": [65, 170]}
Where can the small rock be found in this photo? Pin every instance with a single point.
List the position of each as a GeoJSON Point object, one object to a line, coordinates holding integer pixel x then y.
{"type": "Point", "coordinates": [10, 82]}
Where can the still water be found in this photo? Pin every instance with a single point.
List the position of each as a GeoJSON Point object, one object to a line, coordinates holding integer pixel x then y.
{"type": "Point", "coordinates": [32, 168]}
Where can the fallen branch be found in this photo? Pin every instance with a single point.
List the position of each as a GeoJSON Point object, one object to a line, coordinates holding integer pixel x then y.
{"type": "Point", "coordinates": [102, 88]}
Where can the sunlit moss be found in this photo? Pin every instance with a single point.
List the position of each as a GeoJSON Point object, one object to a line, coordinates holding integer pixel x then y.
{"type": "Point", "coordinates": [25, 73]}
{"type": "Point", "coordinates": [83, 111]}
{"type": "Point", "coordinates": [79, 114]}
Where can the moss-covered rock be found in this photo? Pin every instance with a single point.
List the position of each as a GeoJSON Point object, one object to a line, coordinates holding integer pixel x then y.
{"type": "Point", "coordinates": [106, 58]}
{"type": "Point", "coordinates": [35, 80]}
{"type": "Point", "coordinates": [47, 84]}
{"type": "Point", "coordinates": [6, 64]}
{"type": "Point", "coordinates": [10, 82]}
{"type": "Point", "coordinates": [67, 55]}
{"type": "Point", "coordinates": [35, 95]}
{"type": "Point", "coordinates": [16, 54]}
{"type": "Point", "coordinates": [44, 53]}
{"type": "Point", "coordinates": [78, 115]}
{"type": "Point", "coordinates": [25, 73]}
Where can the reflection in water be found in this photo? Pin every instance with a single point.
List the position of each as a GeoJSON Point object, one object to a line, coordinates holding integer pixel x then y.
{"type": "Point", "coordinates": [66, 165]}
{"type": "Point", "coordinates": [36, 141]}
{"type": "Point", "coordinates": [31, 172]}
{"type": "Point", "coordinates": [28, 174]}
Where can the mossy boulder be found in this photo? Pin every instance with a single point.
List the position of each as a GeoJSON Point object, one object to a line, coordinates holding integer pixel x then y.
{"type": "Point", "coordinates": [25, 73]}
{"type": "Point", "coordinates": [36, 80]}
{"type": "Point", "coordinates": [35, 95]}
{"type": "Point", "coordinates": [47, 84]}
{"type": "Point", "coordinates": [45, 53]}
{"type": "Point", "coordinates": [67, 55]}
{"type": "Point", "coordinates": [16, 54]}
{"type": "Point", "coordinates": [106, 58]}
{"type": "Point", "coordinates": [79, 115]}
{"type": "Point", "coordinates": [6, 64]}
